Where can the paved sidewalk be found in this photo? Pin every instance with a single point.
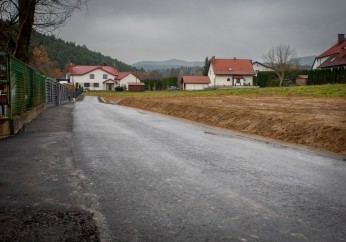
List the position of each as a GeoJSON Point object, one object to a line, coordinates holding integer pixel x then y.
{"type": "Point", "coordinates": [40, 189]}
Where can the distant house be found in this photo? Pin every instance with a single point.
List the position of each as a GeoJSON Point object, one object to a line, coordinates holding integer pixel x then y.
{"type": "Point", "coordinates": [231, 72]}
{"type": "Point", "coordinates": [94, 77]}
{"type": "Point", "coordinates": [222, 73]}
{"type": "Point", "coordinates": [124, 78]}
{"type": "Point", "coordinates": [333, 57]}
{"type": "Point", "coordinates": [100, 77]}
{"type": "Point", "coordinates": [194, 82]}
{"type": "Point", "coordinates": [258, 66]}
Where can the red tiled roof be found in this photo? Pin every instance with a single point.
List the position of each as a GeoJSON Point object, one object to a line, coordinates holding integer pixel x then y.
{"type": "Point", "coordinates": [81, 70]}
{"type": "Point", "coordinates": [335, 49]}
{"type": "Point", "coordinates": [232, 67]}
{"type": "Point", "coordinates": [195, 79]}
{"type": "Point", "coordinates": [122, 75]}
{"type": "Point", "coordinates": [333, 60]}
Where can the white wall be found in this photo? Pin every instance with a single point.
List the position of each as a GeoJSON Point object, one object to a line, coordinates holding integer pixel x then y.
{"type": "Point", "coordinates": [257, 67]}
{"type": "Point", "coordinates": [222, 80]}
{"type": "Point", "coordinates": [319, 61]}
{"type": "Point", "coordinates": [247, 80]}
{"type": "Point", "coordinates": [191, 87]}
{"type": "Point", "coordinates": [98, 79]}
{"type": "Point", "coordinates": [211, 75]}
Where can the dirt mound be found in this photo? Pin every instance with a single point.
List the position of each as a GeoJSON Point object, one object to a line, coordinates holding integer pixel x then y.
{"type": "Point", "coordinates": [316, 122]}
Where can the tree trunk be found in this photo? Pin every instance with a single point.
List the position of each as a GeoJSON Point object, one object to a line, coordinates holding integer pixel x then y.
{"type": "Point", "coordinates": [26, 21]}
{"type": "Point", "coordinates": [281, 75]}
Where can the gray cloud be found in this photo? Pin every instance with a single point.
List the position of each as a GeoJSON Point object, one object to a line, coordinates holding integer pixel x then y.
{"type": "Point", "coordinates": [135, 30]}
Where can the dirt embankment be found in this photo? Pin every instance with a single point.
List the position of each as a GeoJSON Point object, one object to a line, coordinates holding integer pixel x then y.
{"type": "Point", "coordinates": [316, 122]}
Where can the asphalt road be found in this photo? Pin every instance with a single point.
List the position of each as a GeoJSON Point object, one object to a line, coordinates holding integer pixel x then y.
{"type": "Point", "coordinates": [149, 177]}
{"type": "Point", "coordinates": [91, 170]}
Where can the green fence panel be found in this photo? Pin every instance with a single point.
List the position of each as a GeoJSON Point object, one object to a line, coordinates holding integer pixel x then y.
{"type": "Point", "coordinates": [18, 76]}
{"type": "Point", "coordinates": [29, 90]}
{"type": "Point", "coordinates": [27, 87]}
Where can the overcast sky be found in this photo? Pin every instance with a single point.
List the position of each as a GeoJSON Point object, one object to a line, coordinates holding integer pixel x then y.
{"type": "Point", "coordinates": [137, 30]}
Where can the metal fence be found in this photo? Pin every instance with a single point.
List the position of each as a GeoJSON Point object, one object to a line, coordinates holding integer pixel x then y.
{"type": "Point", "coordinates": [22, 89]}
{"type": "Point", "coordinates": [27, 87]}
{"type": "Point", "coordinates": [57, 94]}
{"type": "Point", "coordinates": [4, 85]}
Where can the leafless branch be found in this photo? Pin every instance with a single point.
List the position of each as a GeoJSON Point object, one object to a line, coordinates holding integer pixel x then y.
{"type": "Point", "coordinates": [281, 58]}
{"type": "Point", "coordinates": [51, 14]}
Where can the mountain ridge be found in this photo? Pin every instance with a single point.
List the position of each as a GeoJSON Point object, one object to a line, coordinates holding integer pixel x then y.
{"type": "Point", "coordinates": [166, 64]}
{"type": "Point", "coordinates": [175, 63]}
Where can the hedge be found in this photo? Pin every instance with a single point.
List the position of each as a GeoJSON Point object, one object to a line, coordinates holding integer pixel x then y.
{"type": "Point", "coordinates": [160, 84]}
{"type": "Point", "coordinates": [325, 76]}
{"type": "Point", "coordinates": [270, 79]}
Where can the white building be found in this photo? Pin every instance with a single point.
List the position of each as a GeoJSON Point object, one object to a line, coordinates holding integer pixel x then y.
{"type": "Point", "coordinates": [333, 57]}
{"type": "Point", "coordinates": [194, 82]}
{"type": "Point", "coordinates": [222, 73]}
{"type": "Point", "coordinates": [97, 78]}
{"type": "Point", "coordinates": [231, 72]}
{"type": "Point", "coordinates": [258, 66]}
{"type": "Point", "coordinates": [124, 78]}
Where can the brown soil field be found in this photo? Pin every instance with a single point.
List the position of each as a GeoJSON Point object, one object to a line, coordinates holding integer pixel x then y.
{"type": "Point", "coordinates": [311, 121]}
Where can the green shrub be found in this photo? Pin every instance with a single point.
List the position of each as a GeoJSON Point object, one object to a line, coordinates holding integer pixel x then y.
{"type": "Point", "coordinates": [119, 89]}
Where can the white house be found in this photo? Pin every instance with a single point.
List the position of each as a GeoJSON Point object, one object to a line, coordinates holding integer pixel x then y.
{"type": "Point", "coordinates": [258, 66]}
{"type": "Point", "coordinates": [222, 73]}
{"type": "Point", "coordinates": [335, 56]}
{"type": "Point", "coordinates": [96, 78]}
{"type": "Point", "coordinates": [230, 72]}
{"type": "Point", "coordinates": [124, 78]}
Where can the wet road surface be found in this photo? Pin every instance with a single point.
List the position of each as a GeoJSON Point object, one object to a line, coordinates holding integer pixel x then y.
{"type": "Point", "coordinates": [149, 177]}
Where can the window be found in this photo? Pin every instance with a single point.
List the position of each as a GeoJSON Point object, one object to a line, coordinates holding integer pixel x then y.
{"type": "Point", "coordinates": [228, 79]}
{"type": "Point", "coordinates": [92, 76]}
{"type": "Point", "coordinates": [96, 85]}
{"type": "Point", "coordinates": [87, 84]}
{"type": "Point", "coordinates": [105, 76]}
{"type": "Point", "coordinates": [238, 80]}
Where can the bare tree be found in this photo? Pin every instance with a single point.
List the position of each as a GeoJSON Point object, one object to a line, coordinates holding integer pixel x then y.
{"type": "Point", "coordinates": [281, 58]}
{"type": "Point", "coordinates": [20, 17]}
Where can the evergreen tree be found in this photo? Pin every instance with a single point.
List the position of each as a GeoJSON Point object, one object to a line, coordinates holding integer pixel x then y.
{"type": "Point", "coordinates": [206, 66]}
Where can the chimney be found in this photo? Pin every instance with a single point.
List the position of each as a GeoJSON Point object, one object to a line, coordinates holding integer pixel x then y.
{"type": "Point", "coordinates": [212, 60]}
{"type": "Point", "coordinates": [341, 38]}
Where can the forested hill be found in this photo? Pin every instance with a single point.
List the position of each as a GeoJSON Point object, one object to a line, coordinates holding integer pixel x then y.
{"type": "Point", "coordinates": [64, 52]}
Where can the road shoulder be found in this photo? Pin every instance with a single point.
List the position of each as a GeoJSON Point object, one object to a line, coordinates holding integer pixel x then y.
{"type": "Point", "coordinates": [39, 183]}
